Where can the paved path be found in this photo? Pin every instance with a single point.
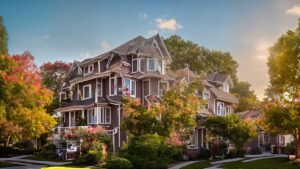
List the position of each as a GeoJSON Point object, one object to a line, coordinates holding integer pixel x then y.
{"type": "Point", "coordinates": [265, 157]}
{"type": "Point", "coordinates": [183, 164]}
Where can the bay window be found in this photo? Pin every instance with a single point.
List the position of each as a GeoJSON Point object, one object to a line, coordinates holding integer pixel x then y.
{"type": "Point", "coordinates": [220, 109]}
{"type": "Point", "coordinates": [151, 64]}
{"type": "Point", "coordinates": [104, 115]}
{"type": "Point", "coordinates": [91, 116]}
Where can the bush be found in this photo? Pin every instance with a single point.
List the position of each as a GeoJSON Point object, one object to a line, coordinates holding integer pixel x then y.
{"type": "Point", "coordinates": [142, 163]}
{"type": "Point", "coordinates": [11, 151]}
{"type": "Point", "coordinates": [255, 150]}
{"type": "Point", "coordinates": [92, 157]}
{"type": "Point", "coordinates": [204, 153]}
{"type": "Point", "coordinates": [119, 163]}
{"type": "Point", "coordinates": [47, 152]}
{"type": "Point", "coordinates": [232, 154]}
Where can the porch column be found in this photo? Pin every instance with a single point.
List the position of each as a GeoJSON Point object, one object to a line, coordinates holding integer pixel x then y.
{"type": "Point", "coordinates": [82, 114]}
{"type": "Point", "coordinates": [206, 134]}
{"type": "Point", "coordinates": [70, 119]}
{"type": "Point", "coordinates": [258, 140]}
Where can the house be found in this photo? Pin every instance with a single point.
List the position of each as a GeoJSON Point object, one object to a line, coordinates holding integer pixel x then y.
{"type": "Point", "coordinates": [92, 94]}
{"type": "Point", "coordinates": [219, 102]}
{"type": "Point", "coordinates": [264, 140]}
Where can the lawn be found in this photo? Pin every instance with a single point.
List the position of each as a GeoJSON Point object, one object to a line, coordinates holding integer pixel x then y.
{"type": "Point", "coordinates": [5, 164]}
{"type": "Point", "coordinates": [198, 165]}
{"type": "Point", "coordinates": [43, 159]}
{"type": "Point", "coordinates": [271, 163]}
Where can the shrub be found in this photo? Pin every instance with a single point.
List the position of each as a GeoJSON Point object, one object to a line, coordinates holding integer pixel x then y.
{"type": "Point", "coordinates": [255, 150]}
{"type": "Point", "coordinates": [232, 154]}
{"type": "Point", "coordinates": [92, 157]}
{"type": "Point", "coordinates": [47, 152]}
{"type": "Point", "coordinates": [119, 163]}
{"type": "Point", "coordinates": [142, 163]}
{"type": "Point", "coordinates": [204, 153]}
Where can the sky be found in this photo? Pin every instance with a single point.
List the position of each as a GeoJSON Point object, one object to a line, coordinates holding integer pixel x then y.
{"type": "Point", "coordinates": [70, 30]}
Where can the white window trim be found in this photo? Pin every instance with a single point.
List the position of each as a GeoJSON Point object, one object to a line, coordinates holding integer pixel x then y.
{"type": "Point", "coordinates": [194, 146]}
{"type": "Point", "coordinates": [90, 92]}
{"type": "Point", "coordinates": [60, 98]}
{"type": "Point", "coordinates": [100, 115]}
{"type": "Point", "coordinates": [115, 86]}
{"type": "Point", "coordinates": [137, 65]}
{"type": "Point", "coordinates": [88, 69]}
{"type": "Point", "coordinates": [218, 112]}
{"type": "Point", "coordinates": [99, 66]}
{"type": "Point", "coordinates": [94, 121]}
{"type": "Point", "coordinates": [130, 87]}
{"type": "Point", "coordinates": [205, 91]}
{"type": "Point", "coordinates": [228, 108]}
{"type": "Point", "coordinates": [101, 89]}
{"type": "Point", "coordinates": [161, 81]}
{"type": "Point", "coordinates": [149, 58]}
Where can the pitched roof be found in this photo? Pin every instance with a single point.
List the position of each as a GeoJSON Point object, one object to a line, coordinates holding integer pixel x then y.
{"type": "Point", "coordinates": [253, 114]}
{"type": "Point", "coordinates": [224, 96]}
{"type": "Point", "coordinates": [216, 77]}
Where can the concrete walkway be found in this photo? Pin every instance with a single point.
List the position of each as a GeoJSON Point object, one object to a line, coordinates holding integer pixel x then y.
{"type": "Point", "coordinates": [183, 164]}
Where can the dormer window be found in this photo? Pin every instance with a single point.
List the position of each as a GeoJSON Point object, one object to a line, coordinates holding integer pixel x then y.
{"type": "Point", "coordinates": [89, 69]}
{"type": "Point", "coordinates": [151, 64]}
{"type": "Point", "coordinates": [226, 87]}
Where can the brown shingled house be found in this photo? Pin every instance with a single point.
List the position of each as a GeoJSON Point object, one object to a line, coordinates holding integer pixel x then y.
{"type": "Point", "coordinates": [138, 69]}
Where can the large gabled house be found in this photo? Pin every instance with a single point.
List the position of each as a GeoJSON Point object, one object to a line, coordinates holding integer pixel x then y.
{"type": "Point", "coordinates": [92, 94]}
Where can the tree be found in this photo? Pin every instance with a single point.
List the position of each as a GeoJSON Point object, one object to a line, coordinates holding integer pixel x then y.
{"type": "Point", "coordinates": [283, 67]}
{"type": "Point", "coordinates": [53, 76]}
{"type": "Point", "coordinates": [175, 113]}
{"type": "Point", "coordinates": [3, 38]}
{"type": "Point", "coordinates": [204, 61]}
{"type": "Point", "coordinates": [23, 96]}
{"type": "Point", "coordinates": [246, 96]}
{"type": "Point", "coordinates": [230, 127]}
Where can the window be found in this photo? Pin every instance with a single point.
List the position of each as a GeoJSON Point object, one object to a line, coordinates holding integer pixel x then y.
{"type": "Point", "coordinates": [162, 87]}
{"type": "Point", "coordinates": [104, 115]}
{"type": "Point", "coordinates": [226, 87]}
{"type": "Point", "coordinates": [228, 110]}
{"type": "Point", "coordinates": [193, 144]}
{"type": "Point", "coordinates": [130, 87]}
{"type": "Point", "coordinates": [206, 106]}
{"type": "Point", "coordinates": [92, 118]}
{"type": "Point", "coordinates": [63, 96]}
{"type": "Point", "coordinates": [159, 66]}
{"type": "Point", "coordinates": [135, 64]}
{"type": "Point", "coordinates": [99, 89]}
{"type": "Point", "coordinates": [89, 69]}
{"type": "Point", "coordinates": [206, 94]}
{"type": "Point", "coordinates": [220, 109]}
{"type": "Point", "coordinates": [113, 86]}
{"type": "Point", "coordinates": [151, 64]}
{"type": "Point", "coordinates": [87, 91]}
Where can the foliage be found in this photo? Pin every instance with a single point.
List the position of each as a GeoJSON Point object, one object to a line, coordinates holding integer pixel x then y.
{"type": "Point", "coordinates": [53, 76]}
{"type": "Point", "coordinates": [24, 97]}
{"type": "Point", "coordinates": [3, 39]}
{"type": "Point", "coordinates": [11, 151]}
{"type": "Point", "coordinates": [204, 153]}
{"type": "Point", "coordinates": [255, 150]}
{"type": "Point", "coordinates": [47, 152]}
{"type": "Point", "coordinates": [92, 157]}
{"type": "Point", "coordinates": [119, 163]}
{"type": "Point", "coordinates": [173, 117]}
{"type": "Point", "coordinates": [230, 127]}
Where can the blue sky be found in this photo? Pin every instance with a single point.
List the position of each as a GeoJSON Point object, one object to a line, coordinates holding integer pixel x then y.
{"type": "Point", "coordinates": [76, 29]}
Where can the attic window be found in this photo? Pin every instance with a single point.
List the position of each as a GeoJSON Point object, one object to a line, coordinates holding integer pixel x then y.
{"type": "Point", "coordinates": [89, 69]}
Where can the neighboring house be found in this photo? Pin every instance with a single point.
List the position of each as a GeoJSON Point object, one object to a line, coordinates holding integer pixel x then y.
{"type": "Point", "coordinates": [219, 102]}
{"type": "Point", "coordinates": [92, 94]}
{"type": "Point", "coordinates": [264, 141]}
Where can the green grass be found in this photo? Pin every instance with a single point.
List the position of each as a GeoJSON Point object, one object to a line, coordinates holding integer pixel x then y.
{"type": "Point", "coordinates": [5, 164]}
{"type": "Point", "coordinates": [65, 167]}
{"type": "Point", "coordinates": [198, 165]}
{"type": "Point", "coordinates": [271, 163]}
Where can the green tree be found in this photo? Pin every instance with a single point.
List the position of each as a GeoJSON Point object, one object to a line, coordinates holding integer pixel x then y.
{"type": "Point", "coordinates": [3, 38]}
{"type": "Point", "coordinates": [283, 67]}
{"type": "Point", "coordinates": [230, 127]}
{"type": "Point", "coordinates": [204, 61]}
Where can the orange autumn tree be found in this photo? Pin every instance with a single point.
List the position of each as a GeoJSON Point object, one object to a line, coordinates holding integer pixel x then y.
{"type": "Point", "coordinates": [23, 98]}
{"type": "Point", "coordinates": [173, 117]}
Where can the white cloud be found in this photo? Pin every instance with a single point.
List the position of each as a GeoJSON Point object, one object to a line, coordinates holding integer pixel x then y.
{"type": "Point", "coordinates": [45, 37]}
{"type": "Point", "coordinates": [295, 10]}
{"type": "Point", "coordinates": [170, 25]}
{"type": "Point", "coordinates": [263, 45]}
{"type": "Point", "coordinates": [143, 16]}
{"type": "Point", "coordinates": [104, 45]}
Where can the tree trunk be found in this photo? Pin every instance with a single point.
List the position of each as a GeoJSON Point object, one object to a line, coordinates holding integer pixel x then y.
{"type": "Point", "coordinates": [7, 141]}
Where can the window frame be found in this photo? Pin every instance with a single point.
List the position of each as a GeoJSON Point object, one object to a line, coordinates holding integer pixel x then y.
{"type": "Point", "coordinates": [113, 92]}
{"type": "Point", "coordinates": [194, 137]}
{"type": "Point", "coordinates": [101, 89]}
{"type": "Point", "coordinates": [160, 94]}
{"type": "Point", "coordinates": [137, 64]}
{"type": "Point", "coordinates": [90, 91]}
{"type": "Point", "coordinates": [88, 69]}
{"type": "Point", "coordinates": [131, 87]}
{"type": "Point", "coordinates": [205, 91]}
{"type": "Point", "coordinates": [102, 115]}
{"type": "Point", "coordinates": [219, 113]}
{"type": "Point", "coordinates": [148, 63]}
{"type": "Point", "coordinates": [91, 114]}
